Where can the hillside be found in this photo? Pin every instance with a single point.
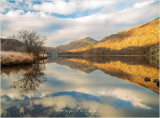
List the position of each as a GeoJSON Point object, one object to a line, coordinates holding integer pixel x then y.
{"type": "Point", "coordinates": [144, 35]}
{"type": "Point", "coordinates": [11, 45]}
{"type": "Point", "coordinates": [73, 45]}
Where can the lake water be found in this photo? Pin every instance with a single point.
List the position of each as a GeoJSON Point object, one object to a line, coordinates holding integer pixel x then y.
{"type": "Point", "coordinates": [80, 87]}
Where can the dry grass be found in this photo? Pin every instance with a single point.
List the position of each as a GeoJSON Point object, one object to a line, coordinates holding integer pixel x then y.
{"type": "Point", "coordinates": [16, 58]}
{"type": "Point", "coordinates": [43, 56]}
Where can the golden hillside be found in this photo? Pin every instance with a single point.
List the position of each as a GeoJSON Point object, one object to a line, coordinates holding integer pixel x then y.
{"type": "Point", "coordinates": [142, 35]}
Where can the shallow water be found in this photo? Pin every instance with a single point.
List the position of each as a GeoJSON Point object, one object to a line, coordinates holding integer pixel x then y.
{"type": "Point", "coordinates": [80, 87]}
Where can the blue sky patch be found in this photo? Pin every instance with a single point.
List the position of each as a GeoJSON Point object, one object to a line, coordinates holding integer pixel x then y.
{"type": "Point", "coordinates": [78, 13]}
{"type": "Point", "coordinates": [124, 5]}
{"type": "Point", "coordinates": [52, 28]}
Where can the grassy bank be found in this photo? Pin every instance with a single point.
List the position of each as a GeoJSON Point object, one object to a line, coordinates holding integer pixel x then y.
{"type": "Point", "coordinates": [18, 58]}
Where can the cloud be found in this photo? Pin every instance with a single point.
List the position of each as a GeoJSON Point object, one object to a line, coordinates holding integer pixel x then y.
{"type": "Point", "coordinates": [13, 13]}
{"type": "Point", "coordinates": [58, 104]}
{"type": "Point", "coordinates": [19, 20]}
{"type": "Point", "coordinates": [132, 96]}
{"type": "Point", "coordinates": [142, 4]}
{"type": "Point", "coordinates": [64, 30]}
{"type": "Point", "coordinates": [94, 4]}
{"type": "Point", "coordinates": [57, 6]}
{"type": "Point", "coordinates": [72, 6]}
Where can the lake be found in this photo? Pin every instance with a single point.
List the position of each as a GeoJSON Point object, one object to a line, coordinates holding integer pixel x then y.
{"type": "Point", "coordinates": [81, 87]}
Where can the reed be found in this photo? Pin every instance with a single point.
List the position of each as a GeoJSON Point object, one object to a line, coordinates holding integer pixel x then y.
{"type": "Point", "coordinates": [18, 58]}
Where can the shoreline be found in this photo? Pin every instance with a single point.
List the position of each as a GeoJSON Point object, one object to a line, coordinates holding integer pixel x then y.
{"type": "Point", "coordinates": [100, 55]}
{"type": "Point", "coordinates": [19, 58]}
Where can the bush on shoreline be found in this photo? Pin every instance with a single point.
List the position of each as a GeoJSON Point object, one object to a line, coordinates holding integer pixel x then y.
{"type": "Point", "coordinates": [18, 58]}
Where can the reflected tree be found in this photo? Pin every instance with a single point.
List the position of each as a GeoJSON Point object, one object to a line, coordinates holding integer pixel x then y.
{"type": "Point", "coordinates": [30, 81]}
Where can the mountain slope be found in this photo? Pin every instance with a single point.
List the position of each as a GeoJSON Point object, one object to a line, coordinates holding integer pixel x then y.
{"type": "Point", "coordinates": [139, 36]}
{"type": "Point", "coordinates": [77, 44]}
{"type": "Point", "coordinates": [11, 45]}
{"type": "Point", "coordinates": [73, 45]}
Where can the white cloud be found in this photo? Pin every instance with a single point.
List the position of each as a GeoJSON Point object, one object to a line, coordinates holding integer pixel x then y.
{"type": "Point", "coordinates": [97, 26]}
{"type": "Point", "coordinates": [142, 4]}
{"type": "Point", "coordinates": [94, 4]}
{"type": "Point", "coordinates": [130, 95]}
{"type": "Point", "coordinates": [58, 6]}
{"type": "Point", "coordinates": [18, 20]}
{"type": "Point", "coordinates": [139, 12]}
{"type": "Point", "coordinates": [13, 13]}
{"type": "Point", "coordinates": [63, 7]}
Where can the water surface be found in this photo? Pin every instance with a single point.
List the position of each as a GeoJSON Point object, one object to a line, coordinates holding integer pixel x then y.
{"type": "Point", "coordinates": [80, 87]}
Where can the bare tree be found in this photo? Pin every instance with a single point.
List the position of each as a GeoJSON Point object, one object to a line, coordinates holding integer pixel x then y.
{"type": "Point", "coordinates": [33, 42]}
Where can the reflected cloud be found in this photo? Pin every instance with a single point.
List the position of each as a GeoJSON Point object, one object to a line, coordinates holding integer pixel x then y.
{"type": "Point", "coordinates": [131, 96]}
{"type": "Point", "coordinates": [67, 105]}
{"type": "Point", "coordinates": [67, 90]}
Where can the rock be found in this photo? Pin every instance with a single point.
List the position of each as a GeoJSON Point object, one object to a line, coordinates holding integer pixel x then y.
{"type": "Point", "coordinates": [155, 80]}
{"type": "Point", "coordinates": [147, 79]}
{"type": "Point", "coordinates": [158, 84]}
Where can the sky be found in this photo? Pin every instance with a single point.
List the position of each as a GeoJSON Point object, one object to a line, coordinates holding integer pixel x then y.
{"type": "Point", "coordinates": [63, 21]}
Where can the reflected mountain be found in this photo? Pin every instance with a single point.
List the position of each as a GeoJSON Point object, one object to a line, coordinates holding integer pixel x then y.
{"type": "Point", "coordinates": [30, 81]}
{"type": "Point", "coordinates": [71, 64]}
{"type": "Point", "coordinates": [132, 69]}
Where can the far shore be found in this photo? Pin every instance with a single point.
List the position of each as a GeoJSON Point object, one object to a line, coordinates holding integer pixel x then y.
{"type": "Point", "coordinates": [19, 58]}
{"type": "Point", "coordinates": [99, 55]}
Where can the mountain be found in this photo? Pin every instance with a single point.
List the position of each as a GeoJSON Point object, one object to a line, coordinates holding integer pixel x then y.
{"type": "Point", "coordinates": [70, 46]}
{"type": "Point", "coordinates": [77, 44]}
{"type": "Point", "coordinates": [11, 45]}
{"type": "Point", "coordinates": [136, 40]}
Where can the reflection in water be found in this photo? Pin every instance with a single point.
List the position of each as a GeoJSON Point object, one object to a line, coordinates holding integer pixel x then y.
{"type": "Point", "coordinates": [123, 68]}
{"type": "Point", "coordinates": [83, 87]}
{"type": "Point", "coordinates": [78, 104]}
{"type": "Point", "coordinates": [16, 69]}
{"type": "Point", "coordinates": [31, 80]}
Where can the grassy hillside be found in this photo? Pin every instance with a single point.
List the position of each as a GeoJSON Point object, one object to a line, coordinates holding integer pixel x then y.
{"type": "Point", "coordinates": [73, 45]}
{"type": "Point", "coordinates": [140, 36]}
{"type": "Point", "coordinates": [77, 44]}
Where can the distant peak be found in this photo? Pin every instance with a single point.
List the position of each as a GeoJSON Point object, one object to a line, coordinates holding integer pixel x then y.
{"type": "Point", "coordinates": [89, 39]}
